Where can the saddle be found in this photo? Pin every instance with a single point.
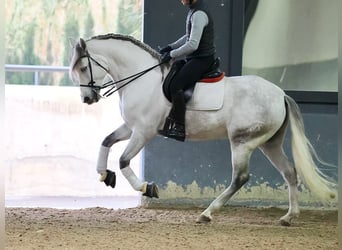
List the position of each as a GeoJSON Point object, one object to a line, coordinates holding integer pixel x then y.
{"type": "Point", "coordinates": [214, 74]}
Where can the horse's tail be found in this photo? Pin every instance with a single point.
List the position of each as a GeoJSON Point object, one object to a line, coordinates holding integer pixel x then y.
{"type": "Point", "coordinates": [303, 152]}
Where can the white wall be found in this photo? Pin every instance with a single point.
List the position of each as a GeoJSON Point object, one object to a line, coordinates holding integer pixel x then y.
{"type": "Point", "coordinates": [52, 141]}
{"type": "Point", "coordinates": [285, 32]}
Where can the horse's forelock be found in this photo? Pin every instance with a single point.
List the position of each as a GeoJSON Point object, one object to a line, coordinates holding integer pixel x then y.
{"type": "Point", "coordinates": [79, 51]}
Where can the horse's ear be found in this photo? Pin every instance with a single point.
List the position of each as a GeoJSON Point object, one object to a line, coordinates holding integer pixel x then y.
{"type": "Point", "coordinates": [83, 44]}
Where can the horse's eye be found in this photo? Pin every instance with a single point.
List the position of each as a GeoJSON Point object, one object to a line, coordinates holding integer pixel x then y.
{"type": "Point", "coordinates": [83, 69]}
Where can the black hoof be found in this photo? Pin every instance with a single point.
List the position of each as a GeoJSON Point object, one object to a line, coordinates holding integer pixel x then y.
{"type": "Point", "coordinates": [110, 179]}
{"type": "Point", "coordinates": [151, 190]}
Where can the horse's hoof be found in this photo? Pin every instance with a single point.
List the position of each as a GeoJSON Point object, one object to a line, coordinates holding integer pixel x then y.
{"type": "Point", "coordinates": [285, 223]}
{"type": "Point", "coordinates": [151, 190]}
{"type": "Point", "coordinates": [110, 179]}
{"type": "Point", "coordinates": [203, 219]}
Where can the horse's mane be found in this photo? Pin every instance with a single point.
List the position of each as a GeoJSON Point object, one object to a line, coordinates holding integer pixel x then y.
{"type": "Point", "coordinates": [131, 39]}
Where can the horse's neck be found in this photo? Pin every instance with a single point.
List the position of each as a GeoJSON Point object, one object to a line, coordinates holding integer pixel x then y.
{"type": "Point", "coordinates": [126, 59]}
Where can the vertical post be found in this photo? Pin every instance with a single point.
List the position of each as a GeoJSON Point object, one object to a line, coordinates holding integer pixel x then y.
{"type": "Point", "coordinates": [36, 78]}
{"type": "Point", "coordinates": [236, 28]}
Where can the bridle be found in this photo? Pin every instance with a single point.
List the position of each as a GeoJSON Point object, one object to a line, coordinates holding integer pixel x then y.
{"type": "Point", "coordinates": [112, 85]}
{"type": "Point", "coordinates": [91, 83]}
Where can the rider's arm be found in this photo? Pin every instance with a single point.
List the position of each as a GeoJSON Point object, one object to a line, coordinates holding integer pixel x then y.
{"type": "Point", "coordinates": [199, 21]}
{"type": "Point", "coordinates": [180, 42]}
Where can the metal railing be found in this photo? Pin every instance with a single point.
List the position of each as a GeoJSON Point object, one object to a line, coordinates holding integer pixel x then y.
{"type": "Point", "coordinates": [36, 69]}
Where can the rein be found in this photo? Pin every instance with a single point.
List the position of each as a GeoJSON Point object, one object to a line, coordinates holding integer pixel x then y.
{"type": "Point", "coordinates": [112, 84]}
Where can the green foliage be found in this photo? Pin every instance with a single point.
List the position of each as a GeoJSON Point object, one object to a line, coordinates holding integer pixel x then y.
{"type": "Point", "coordinates": [71, 29]}
{"type": "Point", "coordinates": [27, 56]}
{"type": "Point", "coordinates": [127, 23]}
{"type": "Point", "coordinates": [38, 32]}
{"type": "Point", "coordinates": [89, 26]}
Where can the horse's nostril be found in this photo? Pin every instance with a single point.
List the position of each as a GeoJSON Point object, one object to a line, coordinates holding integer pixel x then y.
{"type": "Point", "coordinates": [86, 99]}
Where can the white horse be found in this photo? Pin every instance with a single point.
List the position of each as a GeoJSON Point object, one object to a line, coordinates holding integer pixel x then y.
{"type": "Point", "coordinates": [254, 114]}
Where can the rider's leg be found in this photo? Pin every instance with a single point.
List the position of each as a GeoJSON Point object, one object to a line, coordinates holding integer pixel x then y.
{"type": "Point", "coordinates": [174, 125]}
{"type": "Point", "coordinates": [177, 129]}
{"type": "Point", "coordinates": [184, 79]}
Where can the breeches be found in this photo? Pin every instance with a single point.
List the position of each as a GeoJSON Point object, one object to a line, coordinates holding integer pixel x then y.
{"type": "Point", "coordinates": [190, 73]}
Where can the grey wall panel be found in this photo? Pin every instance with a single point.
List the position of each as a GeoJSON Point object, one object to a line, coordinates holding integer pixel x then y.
{"type": "Point", "coordinates": [196, 172]}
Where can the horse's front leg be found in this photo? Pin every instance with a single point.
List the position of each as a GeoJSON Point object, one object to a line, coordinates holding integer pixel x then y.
{"type": "Point", "coordinates": [120, 134]}
{"type": "Point", "coordinates": [136, 143]}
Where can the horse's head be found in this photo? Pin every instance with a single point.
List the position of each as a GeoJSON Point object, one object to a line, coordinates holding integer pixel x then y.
{"type": "Point", "coordinates": [89, 71]}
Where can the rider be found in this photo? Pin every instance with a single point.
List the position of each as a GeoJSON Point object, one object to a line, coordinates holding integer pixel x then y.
{"type": "Point", "coordinates": [197, 47]}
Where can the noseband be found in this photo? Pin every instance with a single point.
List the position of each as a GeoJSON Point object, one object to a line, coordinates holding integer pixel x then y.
{"type": "Point", "coordinates": [110, 84]}
{"type": "Point", "coordinates": [91, 83]}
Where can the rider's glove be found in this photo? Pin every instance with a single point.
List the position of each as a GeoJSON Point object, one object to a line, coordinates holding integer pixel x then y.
{"type": "Point", "coordinates": [165, 58]}
{"type": "Point", "coordinates": [165, 49]}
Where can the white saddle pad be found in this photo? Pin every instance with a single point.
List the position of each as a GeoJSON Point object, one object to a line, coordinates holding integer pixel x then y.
{"type": "Point", "coordinates": [207, 96]}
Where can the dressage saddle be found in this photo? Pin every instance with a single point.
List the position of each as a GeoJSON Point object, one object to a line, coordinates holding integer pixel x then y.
{"type": "Point", "coordinates": [214, 74]}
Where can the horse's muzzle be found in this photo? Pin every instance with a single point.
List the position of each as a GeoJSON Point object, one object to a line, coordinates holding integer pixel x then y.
{"type": "Point", "coordinates": [87, 100]}
{"type": "Point", "coordinates": [90, 100]}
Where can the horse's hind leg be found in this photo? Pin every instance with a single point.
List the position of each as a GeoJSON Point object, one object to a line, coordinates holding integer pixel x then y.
{"type": "Point", "coordinates": [241, 154]}
{"type": "Point", "coordinates": [273, 150]}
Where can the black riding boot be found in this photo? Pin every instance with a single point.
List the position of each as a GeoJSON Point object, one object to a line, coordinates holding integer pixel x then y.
{"type": "Point", "coordinates": [174, 125]}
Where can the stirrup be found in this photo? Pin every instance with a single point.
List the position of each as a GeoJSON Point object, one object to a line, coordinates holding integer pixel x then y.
{"type": "Point", "coordinates": [177, 132]}
{"type": "Point", "coordinates": [173, 130]}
